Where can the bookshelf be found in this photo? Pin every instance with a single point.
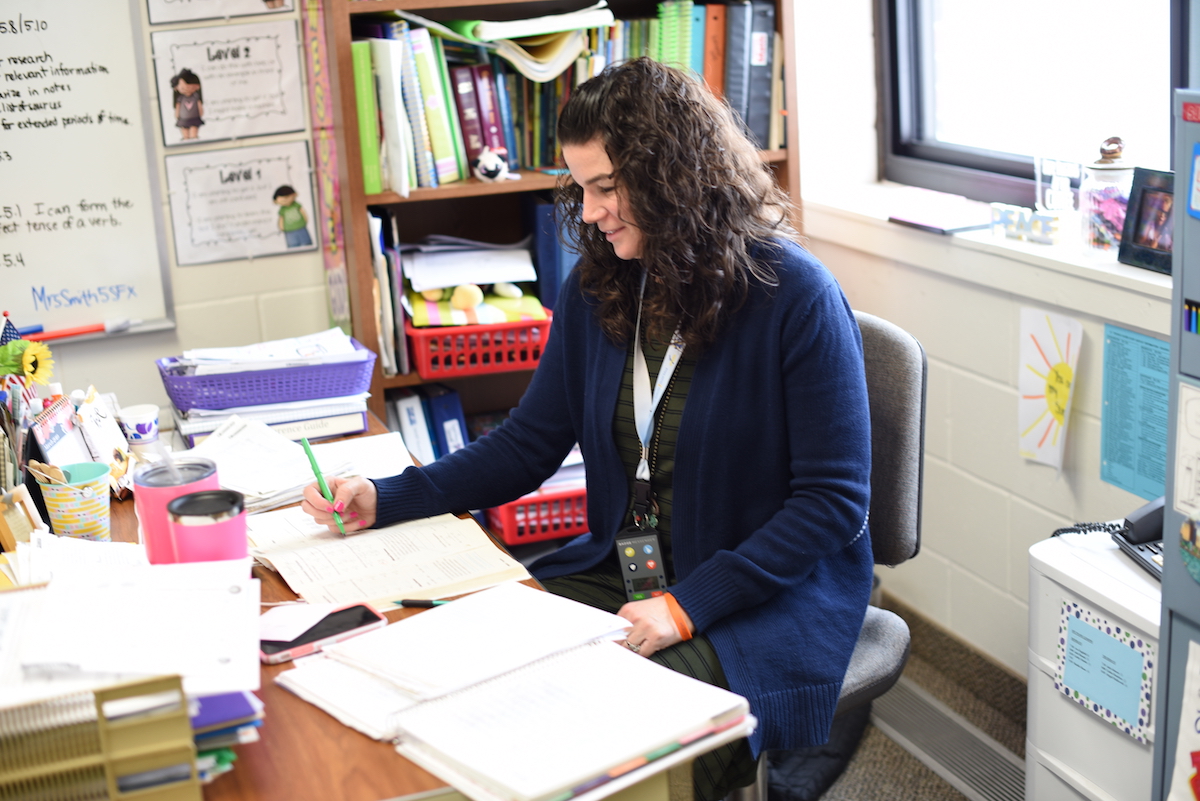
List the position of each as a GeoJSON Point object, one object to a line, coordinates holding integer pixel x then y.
{"type": "Point", "coordinates": [471, 208]}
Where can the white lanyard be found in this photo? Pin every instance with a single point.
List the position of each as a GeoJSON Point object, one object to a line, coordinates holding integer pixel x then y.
{"type": "Point", "coordinates": [643, 404]}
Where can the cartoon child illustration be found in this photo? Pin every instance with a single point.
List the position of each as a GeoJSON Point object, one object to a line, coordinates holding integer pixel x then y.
{"type": "Point", "coordinates": [292, 219]}
{"type": "Point", "coordinates": [189, 103]}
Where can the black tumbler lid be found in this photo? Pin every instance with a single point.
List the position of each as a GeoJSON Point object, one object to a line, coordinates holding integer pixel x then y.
{"type": "Point", "coordinates": [208, 503]}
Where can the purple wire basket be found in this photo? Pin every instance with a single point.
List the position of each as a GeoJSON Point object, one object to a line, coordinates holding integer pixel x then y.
{"type": "Point", "coordinates": [226, 390]}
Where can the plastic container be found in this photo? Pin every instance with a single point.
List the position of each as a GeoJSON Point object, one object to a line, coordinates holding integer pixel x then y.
{"type": "Point", "coordinates": [226, 390]}
{"type": "Point", "coordinates": [154, 486]}
{"type": "Point", "coordinates": [462, 350]}
{"type": "Point", "coordinates": [540, 515]}
{"type": "Point", "coordinates": [209, 526]}
{"type": "Point", "coordinates": [1104, 197]}
{"type": "Point", "coordinates": [80, 508]}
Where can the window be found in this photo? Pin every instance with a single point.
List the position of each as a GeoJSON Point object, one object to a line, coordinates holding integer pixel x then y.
{"type": "Point", "coordinates": [972, 92]}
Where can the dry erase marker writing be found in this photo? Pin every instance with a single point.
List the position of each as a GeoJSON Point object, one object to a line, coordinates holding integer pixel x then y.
{"type": "Point", "coordinates": [420, 604]}
{"type": "Point", "coordinates": [321, 482]}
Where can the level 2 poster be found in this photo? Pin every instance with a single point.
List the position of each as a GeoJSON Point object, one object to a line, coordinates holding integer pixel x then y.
{"type": "Point", "coordinates": [241, 203]}
{"type": "Point", "coordinates": [228, 82]}
{"type": "Point", "coordinates": [185, 10]}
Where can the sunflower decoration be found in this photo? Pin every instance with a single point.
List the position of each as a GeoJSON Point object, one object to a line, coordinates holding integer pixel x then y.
{"type": "Point", "coordinates": [30, 360]}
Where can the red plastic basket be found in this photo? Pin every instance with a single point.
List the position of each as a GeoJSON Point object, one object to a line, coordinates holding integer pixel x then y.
{"type": "Point", "coordinates": [541, 515]}
{"type": "Point", "coordinates": [461, 350]}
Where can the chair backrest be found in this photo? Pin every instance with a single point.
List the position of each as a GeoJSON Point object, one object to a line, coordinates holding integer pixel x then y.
{"type": "Point", "coordinates": [896, 374]}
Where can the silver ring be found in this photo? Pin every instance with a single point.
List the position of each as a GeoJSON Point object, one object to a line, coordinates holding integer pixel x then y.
{"type": "Point", "coordinates": [637, 649]}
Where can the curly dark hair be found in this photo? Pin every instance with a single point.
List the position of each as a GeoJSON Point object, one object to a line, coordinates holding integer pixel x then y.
{"type": "Point", "coordinates": [692, 182]}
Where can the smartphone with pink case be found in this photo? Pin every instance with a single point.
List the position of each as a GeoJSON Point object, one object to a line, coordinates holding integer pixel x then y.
{"type": "Point", "coordinates": [340, 624]}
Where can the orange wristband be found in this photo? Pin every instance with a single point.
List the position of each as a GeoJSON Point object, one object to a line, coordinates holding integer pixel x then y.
{"type": "Point", "coordinates": [677, 617]}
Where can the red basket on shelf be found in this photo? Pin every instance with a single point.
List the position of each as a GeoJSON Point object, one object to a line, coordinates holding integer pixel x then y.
{"type": "Point", "coordinates": [462, 350]}
{"type": "Point", "coordinates": [541, 515]}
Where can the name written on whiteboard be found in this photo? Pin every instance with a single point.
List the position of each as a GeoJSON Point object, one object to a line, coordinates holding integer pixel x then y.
{"type": "Point", "coordinates": [89, 296]}
{"type": "Point", "coordinates": [47, 218]}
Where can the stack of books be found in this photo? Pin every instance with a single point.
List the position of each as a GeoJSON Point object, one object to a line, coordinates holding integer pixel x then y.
{"type": "Point", "coordinates": [220, 722]}
{"type": "Point", "coordinates": [431, 96]}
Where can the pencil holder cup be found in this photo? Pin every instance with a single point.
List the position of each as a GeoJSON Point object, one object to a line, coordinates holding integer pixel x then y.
{"type": "Point", "coordinates": [80, 507]}
{"type": "Point", "coordinates": [157, 484]}
{"type": "Point", "coordinates": [209, 526]}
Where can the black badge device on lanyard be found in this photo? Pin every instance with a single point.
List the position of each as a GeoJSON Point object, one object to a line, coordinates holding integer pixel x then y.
{"type": "Point", "coordinates": [641, 564]}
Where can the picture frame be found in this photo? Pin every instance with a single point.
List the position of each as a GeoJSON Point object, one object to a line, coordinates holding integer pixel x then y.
{"type": "Point", "coordinates": [1149, 229]}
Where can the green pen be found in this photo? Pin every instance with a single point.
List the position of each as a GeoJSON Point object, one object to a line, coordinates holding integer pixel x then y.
{"type": "Point", "coordinates": [337, 518]}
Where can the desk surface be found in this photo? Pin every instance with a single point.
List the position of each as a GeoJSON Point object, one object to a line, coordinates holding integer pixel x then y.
{"type": "Point", "coordinates": [304, 753]}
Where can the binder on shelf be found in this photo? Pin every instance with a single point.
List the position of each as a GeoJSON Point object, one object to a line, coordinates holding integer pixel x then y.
{"type": "Point", "coordinates": [737, 56]}
{"type": "Point", "coordinates": [714, 48]}
{"type": "Point", "coordinates": [776, 137]}
{"type": "Point", "coordinates": [758, 94]}
{"type": "Point", "coordinates": [437, 115]}
{"type": "Point", "coordinates": [386, 57]}
{"type": "Point", "coordinates": [462, 81]}
{"type": "Point", "coordinates": [504, 104]}
{"type": "Point", "coordinates": [456, 135]}
{"type": "Point", "coordinates": [446, 418]}
{"type": "Point", "coordinates": [414, 425]}
{"type": "Point", "coordinates": [489, 111]}
{"type": "Point", "coordinates": [696, 60]}
{"type": "Point", "coordinates": [368, 116]}
{"type": "Point", "coordinates": [414, 106]}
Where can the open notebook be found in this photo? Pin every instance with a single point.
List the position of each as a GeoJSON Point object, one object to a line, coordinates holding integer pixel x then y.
{"type": "Point", "coordinates": [513, 694]}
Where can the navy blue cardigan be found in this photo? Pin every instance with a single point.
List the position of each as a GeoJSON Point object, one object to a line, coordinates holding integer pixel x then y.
{"type": "Point", "coordinates": [772, 484]}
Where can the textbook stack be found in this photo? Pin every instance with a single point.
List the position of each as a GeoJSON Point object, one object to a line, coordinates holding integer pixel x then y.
{"type": "Point", "coordinates": [431, 96]}
{"type": "Point", "coordinates": [220, 722]}
{"type": "Point", "coordinates": [314, 386]}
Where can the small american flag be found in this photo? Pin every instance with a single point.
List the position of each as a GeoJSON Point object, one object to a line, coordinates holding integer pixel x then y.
{"type": "Point", "coordinates": [10, 331]}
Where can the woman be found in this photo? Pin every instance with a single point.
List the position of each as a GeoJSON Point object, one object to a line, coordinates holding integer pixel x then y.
{"type": "Point", "coordinates": [757, 452]}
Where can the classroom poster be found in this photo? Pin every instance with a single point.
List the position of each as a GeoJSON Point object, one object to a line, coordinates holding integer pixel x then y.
{"type": "Point", "coordinates": [1133, 419]}
{"type": "Point", "coordinates": [243, 203]}
{"type": "Point", "coordinates": [79, 222]}
{"type": "Point", "coordinates": [228, 82]}
{"type": "Point", "coordinates": [1049, 352]}
{"type": "Point", "coordinates": [184, 10]}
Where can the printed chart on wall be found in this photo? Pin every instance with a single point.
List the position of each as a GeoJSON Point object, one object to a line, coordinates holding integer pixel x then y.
{"type": "Point", "coordinates": [184, 10]}
{"type": "Point", "coordinates": [1133, 421]}
{"type": "Point", "coordinates": [243, 203]}
{"type": "Point", "coordinates": [228, 81]}
{"type": "Point", "coordinates": [79, 240]}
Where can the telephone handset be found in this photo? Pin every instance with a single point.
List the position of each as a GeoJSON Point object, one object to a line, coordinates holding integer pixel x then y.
{"type": "Point", "coordinates": [1139, 535]}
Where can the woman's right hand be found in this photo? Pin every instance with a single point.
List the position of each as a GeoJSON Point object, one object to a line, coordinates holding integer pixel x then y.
{"type": "Point", "coordinates": [353, 498]}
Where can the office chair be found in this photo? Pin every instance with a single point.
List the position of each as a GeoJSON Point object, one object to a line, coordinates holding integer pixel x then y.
{"type": "Point", "coordinates": [896, 377]}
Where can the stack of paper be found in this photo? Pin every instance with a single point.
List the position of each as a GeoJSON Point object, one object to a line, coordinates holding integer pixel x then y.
{"type": "Point", "coordinates": [198, 620]}
{"type": "Point", "coordinates": [470, 696]}
{"type": "Point", "coordinates": [265, 466]}
{"type": "Point", "coordinates": [326, 347]}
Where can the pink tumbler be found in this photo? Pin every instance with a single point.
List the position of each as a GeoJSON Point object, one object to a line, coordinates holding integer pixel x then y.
{"type": "Point", "coordinates": [157, 484]}
{"type": "Point", "coordinates": [209, 526]}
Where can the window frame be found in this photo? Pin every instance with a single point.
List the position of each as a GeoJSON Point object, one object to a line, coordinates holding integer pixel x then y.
{"type": "Point", "coordinates": [975, 173]}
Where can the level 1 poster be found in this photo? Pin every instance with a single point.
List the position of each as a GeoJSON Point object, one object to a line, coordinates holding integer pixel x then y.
{"type": "Point", "coordinates": [79, 227]}
{"type": "Point", "coordinates": [228, 82]}
{"type": "Point", "coordinates": [183, 10]}
{"type": "Point", "coordinates": [1133, 418]}
{"type": "Point", "coordinates": [242, 203]}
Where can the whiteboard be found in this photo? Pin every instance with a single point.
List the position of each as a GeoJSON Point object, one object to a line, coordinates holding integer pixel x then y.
{"type": "Point", "coordinates": [80, 233]}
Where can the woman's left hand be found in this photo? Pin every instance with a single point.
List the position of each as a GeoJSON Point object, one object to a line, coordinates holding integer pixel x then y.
{"type": "Point", "coordinates": [653, 630]}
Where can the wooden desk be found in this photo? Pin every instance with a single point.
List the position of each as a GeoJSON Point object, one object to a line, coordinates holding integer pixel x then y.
{"type": "Point", "coordinates": [304, 753]}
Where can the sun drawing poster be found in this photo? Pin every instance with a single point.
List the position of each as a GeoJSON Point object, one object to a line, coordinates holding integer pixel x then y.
{"type": "Point", "coordinates": [1046, 383]}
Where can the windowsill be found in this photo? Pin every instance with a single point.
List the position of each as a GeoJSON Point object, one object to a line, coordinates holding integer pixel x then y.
{"type": "Point", "coordinates": [1060, 275]}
